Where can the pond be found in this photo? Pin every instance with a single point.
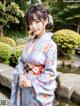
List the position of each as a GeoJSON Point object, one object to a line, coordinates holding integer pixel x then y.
{"type": "Point", "coordinates": [68, 69]}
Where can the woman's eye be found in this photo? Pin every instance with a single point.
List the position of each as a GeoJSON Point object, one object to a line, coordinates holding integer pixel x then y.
{"type": "Point", "coordinates": [37, 21]}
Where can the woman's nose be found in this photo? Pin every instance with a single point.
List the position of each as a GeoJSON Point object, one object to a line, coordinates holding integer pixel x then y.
{"type": "Point", "coordinates": [33, 25]}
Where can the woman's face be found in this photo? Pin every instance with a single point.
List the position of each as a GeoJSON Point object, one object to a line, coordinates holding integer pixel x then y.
{"type": "Point", "coordinates": [38, 26]}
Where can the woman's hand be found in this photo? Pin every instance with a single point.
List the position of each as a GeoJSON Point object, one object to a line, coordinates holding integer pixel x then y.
{"type": "Point", "coordinates": [24, 82]}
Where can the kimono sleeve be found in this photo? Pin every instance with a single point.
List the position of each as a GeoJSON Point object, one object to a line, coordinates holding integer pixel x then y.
{"type": "Point", "coordinates": [14, 85]}
{"type": "Point", "coordinates": [45, 84]}
{"type": "Point", "coordinates": [20, 66]}
{"type": "Point", "coordinates": [14, 88]}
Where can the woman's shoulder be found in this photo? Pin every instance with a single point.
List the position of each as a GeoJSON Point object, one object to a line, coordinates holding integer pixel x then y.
{"type": "Point", "coordinates": [49, 45]}
{"type": "Point", "coordinates": [53, 44]}
{"type": "Point", "coordinates": [50, 42]}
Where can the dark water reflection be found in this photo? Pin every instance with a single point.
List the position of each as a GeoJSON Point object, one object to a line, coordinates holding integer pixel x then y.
{"type": "Point", "coordinates": [6, 91]}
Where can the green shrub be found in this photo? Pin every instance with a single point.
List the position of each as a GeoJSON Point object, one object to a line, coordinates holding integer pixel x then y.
{"type": "Point", "coordinates": [67, 41]}
{"type": "Point", "coordinates": [5, 52]}
{"type": "Point", "coordinates": [15, 55]}
{"type": "Point", "coordinates": [8, 40]}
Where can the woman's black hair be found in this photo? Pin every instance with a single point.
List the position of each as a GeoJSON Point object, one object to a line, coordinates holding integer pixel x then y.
{"type": "Point", "coordinates": [40, 12]}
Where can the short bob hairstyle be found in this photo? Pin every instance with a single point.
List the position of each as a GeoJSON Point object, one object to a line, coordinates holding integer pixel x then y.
{"type": "Point", "coordinates": [40, 12]}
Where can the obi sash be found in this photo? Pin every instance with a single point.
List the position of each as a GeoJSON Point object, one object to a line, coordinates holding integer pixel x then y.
{"type": "Point", "coordinates": [37, 69]}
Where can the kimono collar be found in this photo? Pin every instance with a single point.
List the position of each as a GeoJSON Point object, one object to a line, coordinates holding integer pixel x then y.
{"type": "Point", "coordinates": [46, 36]}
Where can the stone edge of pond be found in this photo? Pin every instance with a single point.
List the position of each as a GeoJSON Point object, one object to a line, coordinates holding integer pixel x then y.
{"type": "Point", "coordinates": [70, 64]}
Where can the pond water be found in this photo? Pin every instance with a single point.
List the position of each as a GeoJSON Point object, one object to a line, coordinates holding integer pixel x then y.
{"type": "Point", "coordinates": [68, 69]}
{"type": "Point", "coordinates": [6, 91]}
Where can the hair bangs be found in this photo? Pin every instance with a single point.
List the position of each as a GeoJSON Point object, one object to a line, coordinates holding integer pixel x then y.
{"type": "Point", "coordinates": [34, 16]}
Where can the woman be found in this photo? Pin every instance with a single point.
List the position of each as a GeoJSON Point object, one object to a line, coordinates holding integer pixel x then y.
{"type": "Point", "coordinates": [40, 54]}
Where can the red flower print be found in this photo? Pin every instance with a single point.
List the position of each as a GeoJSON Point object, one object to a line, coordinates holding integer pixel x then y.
{"type": "Point", "coordinates": [45, 48]}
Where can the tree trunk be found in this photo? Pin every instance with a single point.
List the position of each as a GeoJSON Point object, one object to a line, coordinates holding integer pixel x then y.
{"type": "Point", "coordinates": [1, 31]}
{"type": "Point", "coordinates": [78, 27]}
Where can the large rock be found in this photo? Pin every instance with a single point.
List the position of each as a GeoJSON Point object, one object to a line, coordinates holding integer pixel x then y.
{"type": "Point", "coordinates": [75, 64]}
{"type": "Point", "coordinates": [6, 74]}
{"type": "Point", "coordinates": [69, 86]}
{"type": "Point", "coordinates": [60, 63]}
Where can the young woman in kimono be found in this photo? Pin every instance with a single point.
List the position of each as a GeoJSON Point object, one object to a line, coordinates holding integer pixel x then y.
{"type": "Point", "coordinates": [40, 54]}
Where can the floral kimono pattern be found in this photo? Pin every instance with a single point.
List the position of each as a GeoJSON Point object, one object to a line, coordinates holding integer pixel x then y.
{"type": "Point", "coordinates": [43, 52]}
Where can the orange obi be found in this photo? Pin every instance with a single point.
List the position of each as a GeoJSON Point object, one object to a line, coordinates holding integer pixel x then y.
{"type": "Point", "coordinates": [37, 69]}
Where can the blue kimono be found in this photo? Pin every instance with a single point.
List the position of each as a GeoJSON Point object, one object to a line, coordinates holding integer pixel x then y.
{"type": "Point", "coordinates": [43, 52]}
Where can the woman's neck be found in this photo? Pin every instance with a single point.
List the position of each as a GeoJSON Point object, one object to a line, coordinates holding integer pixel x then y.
{"type": "Point", "coordinates": [40, 35]}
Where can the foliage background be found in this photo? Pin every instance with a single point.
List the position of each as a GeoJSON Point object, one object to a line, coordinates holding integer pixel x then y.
{"type": "Point", "coordinates": [65, 15]}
